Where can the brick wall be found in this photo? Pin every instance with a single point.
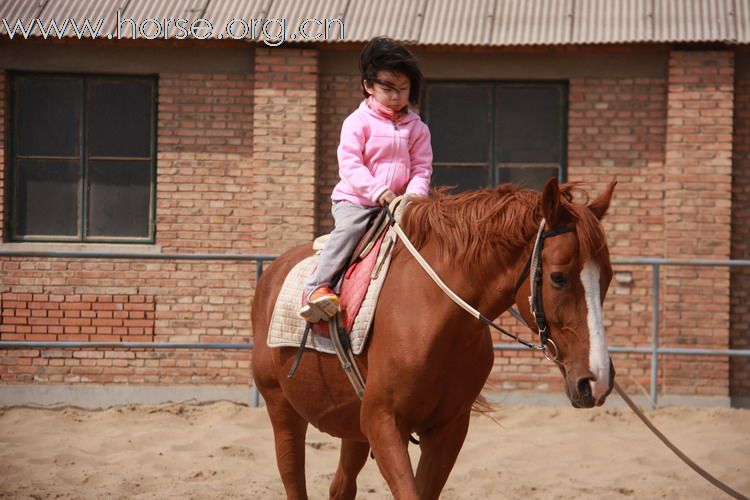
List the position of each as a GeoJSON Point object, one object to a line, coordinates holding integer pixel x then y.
{"type": "Point", "coordinates": [204, 166]}
{"type": "Point", "coordinates": [740, 277]}
{"type": "Point", "coordinates": [339, 96]}
{"type": "Point", "coordinates": [617, 131]}
{"type": "Point", "coordinates": [284, 143]}
{"type": "Point", "coordinates": [119, 366]}
{"type": "Point", "coordinates": [67, 316]}
{"type": "Point", "coordinates": [697, 212]}
{"type": "Point", "coordinates": [87, 300]}
{"type": "Point", "coordinates": [3, 175]}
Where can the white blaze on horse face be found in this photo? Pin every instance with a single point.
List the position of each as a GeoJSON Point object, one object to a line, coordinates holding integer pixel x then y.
{"type": "Point", "coordinates": [598, 352]}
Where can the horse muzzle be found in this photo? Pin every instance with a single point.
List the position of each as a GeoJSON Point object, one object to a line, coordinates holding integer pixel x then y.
{"type": "Point", "coordinates": [586, 391]}
{"type": "Point", "coordinates": [580, 393]}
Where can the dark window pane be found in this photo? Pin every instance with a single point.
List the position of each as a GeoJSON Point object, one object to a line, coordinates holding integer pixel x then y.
{"type": "Point", "coordinates": [47, 198]}
{"type": "Point", "coordinates": [528, 177]}
{"type": "Point", "coordinates": [120, 118]}
{"type": "Point", "coordinates": [529, 126]}
{"type": "Point", "coordinates": [48, 116]}
{"type": "Point", "coordinates": [119, 197]}
{"type": "Point", "coordinates": [463, 178]}
{"type": "Point", "coordinates": [460, 118]}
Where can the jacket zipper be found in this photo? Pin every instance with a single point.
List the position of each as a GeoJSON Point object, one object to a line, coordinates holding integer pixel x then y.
{"type": "Point", "coordinates": [392, 169]}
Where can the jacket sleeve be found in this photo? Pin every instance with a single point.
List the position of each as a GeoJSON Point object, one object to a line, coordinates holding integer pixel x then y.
{"type": "Point", "coordinates": [352, 167]}
{"type": "Point", "coordinates": [420, 156]}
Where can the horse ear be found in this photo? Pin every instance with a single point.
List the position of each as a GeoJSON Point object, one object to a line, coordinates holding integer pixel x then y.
{"type": "Point", "coordinates": [600, 205]}
{"type": "Point", "coordinates": [551, 201]}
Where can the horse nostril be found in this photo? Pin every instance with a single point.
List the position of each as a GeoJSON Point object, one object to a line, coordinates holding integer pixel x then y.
{"type": "Point", "coordinates": [584, 387]}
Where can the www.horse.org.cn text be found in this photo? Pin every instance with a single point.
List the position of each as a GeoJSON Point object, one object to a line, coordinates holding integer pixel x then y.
{"type": "Point", "coordinates": [272, 32]}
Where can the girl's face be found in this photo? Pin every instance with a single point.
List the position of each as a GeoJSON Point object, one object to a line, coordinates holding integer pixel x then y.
{"type": "Point", "coordinates": [390, 89]}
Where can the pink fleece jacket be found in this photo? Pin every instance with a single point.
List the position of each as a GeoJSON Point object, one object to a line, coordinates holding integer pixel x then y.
{"type": "Point", "coordinates": [382, 150]}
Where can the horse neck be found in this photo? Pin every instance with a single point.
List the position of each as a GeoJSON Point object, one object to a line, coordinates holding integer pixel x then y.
{"type": "Point", "coordinates": [488, 289]}
{"type": "Point", "coordinates": [496, 295]}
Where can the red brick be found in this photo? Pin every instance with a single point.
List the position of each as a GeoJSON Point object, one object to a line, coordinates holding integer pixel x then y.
{"type": "Point", "coordinates": [75, 306]}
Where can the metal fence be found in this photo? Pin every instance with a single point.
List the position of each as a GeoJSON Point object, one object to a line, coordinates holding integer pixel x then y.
{"type": "Point", "coordinates": [654, 349]}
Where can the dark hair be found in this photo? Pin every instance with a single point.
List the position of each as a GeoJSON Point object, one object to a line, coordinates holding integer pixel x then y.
{"type": "Point", "coordinates": [386, 54]}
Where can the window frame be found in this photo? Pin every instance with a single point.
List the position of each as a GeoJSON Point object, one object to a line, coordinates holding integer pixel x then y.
{"type": "Point", "coordinates": [83, 187]}
{"type": "Point", "coordinates": [493, 164]}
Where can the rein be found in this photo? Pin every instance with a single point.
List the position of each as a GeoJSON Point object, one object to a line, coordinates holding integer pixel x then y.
{"type": "Point", "coordinates": [535, 300]}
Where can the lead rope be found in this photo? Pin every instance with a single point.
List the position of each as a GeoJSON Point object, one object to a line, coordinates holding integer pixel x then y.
{"type": "Point", "coordinates": [697, 468]}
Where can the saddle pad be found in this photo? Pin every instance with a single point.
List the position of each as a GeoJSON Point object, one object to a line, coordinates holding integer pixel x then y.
{"type": "Point", "coordinates": [287, 327]}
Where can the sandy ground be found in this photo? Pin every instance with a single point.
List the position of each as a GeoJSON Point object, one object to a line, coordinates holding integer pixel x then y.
{"type": "Point", "coordinates": [224, 450]}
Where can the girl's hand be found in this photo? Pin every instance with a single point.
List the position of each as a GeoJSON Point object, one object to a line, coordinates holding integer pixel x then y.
{"type": "Point", "coordinates": [387, 197]}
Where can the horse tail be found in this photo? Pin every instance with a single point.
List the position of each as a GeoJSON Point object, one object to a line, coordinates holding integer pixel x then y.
{"type": "Point", "coordinates": [483, 406]}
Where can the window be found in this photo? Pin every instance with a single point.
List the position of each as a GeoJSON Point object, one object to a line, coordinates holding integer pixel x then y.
{"type": "Point", "coordinates": [82, 158]}
{"type": "Point", "coordinates": [484, 134]}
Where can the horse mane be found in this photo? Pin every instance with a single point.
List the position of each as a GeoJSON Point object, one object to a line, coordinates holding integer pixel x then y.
{"type": "Point", "coordinates": [476, 228]}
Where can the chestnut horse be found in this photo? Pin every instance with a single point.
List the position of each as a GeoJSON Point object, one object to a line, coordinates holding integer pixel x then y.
{"type": "Point", "coordinates": [427, 360]}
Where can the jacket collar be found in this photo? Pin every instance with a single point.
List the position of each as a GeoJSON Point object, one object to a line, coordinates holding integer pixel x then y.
{"type": "Point", "coordinates": [373, 107]}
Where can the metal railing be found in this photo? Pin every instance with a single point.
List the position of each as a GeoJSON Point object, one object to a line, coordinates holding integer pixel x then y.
{"type": "Point", "coordinates": [654, 350]}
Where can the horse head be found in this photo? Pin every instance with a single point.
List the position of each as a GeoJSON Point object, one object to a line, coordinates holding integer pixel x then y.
{"type": "Point", "coordinates": [575, 273]}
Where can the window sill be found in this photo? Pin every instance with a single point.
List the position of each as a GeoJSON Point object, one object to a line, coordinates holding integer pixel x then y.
{"type": "Point", "coordinates": [120, 248]}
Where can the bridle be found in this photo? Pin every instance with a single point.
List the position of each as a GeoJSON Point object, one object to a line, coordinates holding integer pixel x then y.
{"type": "Point", "coordinates": [533, 270]}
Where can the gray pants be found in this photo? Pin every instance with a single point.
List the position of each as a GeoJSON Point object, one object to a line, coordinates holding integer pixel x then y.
{"type": "Point", "coordinates": [351, 224]}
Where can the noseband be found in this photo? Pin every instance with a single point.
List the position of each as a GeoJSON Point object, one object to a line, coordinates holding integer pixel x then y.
{"type": "Point", "coordinates": [533, 268]}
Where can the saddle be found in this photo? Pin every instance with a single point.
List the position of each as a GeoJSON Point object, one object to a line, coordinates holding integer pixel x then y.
{"type": "Point", "coordinates": [354, 280]}
{"type": "Point", "coordinates": [360, 288]}
{"type": "Point", "coordinates": [360, 284]}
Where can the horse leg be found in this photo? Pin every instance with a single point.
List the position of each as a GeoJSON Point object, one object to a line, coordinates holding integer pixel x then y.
{"type": "Point", "coordinates": [440, 449]}
{"type": "Point", "coordinates": [389, 443]}
{"type": "Point", "coordinates": [353, 457]}
{"type": "Point", "coordinates": [289, 430]}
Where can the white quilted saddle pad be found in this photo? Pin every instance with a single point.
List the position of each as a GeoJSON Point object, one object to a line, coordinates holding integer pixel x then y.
{"type": "Point", "coordinates": [287, 327]}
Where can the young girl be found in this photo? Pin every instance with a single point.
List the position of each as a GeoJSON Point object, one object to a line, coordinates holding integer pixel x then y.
{"type": "Point", "coordinates": [384, 152]}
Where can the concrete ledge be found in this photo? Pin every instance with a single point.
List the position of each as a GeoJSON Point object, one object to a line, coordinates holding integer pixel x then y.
{"type": "Point", "coordinates": [101, 396]}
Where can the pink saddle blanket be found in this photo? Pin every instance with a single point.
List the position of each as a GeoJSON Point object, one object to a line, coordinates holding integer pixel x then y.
{"type": "Point", "coordinates": [353, 290]}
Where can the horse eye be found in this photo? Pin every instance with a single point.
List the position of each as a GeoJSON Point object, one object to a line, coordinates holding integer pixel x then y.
{"type": "Point", "coordinates": [558, 280]}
